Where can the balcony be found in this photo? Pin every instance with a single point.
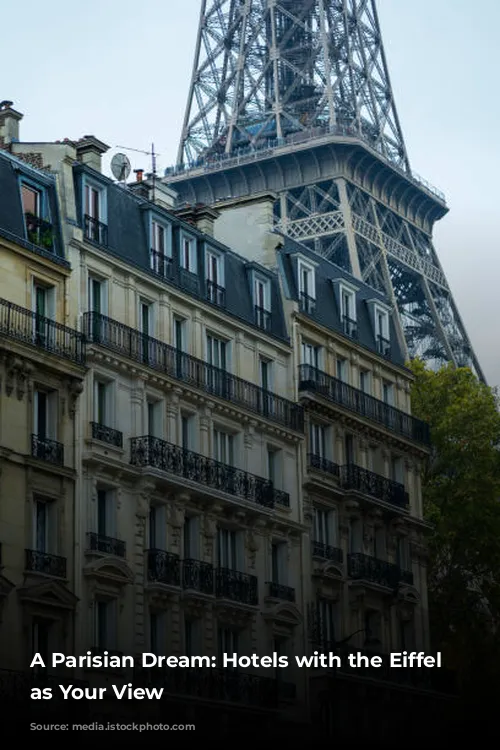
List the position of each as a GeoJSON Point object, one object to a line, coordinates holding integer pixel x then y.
{"type": "Point", "coordinates": [28, 327]}
{"type": "Point", "coordinates": [95, 231]}
{"type": "Point", "coordinates": [130, 343]}
{"type": "Point", "coordinates": [47, 450]}
{"type": "Point", "coordinates": [236, 586]}
{"type": "Point", "coordinates": [278, 591]}
{"type": "Point", "coordinates": [349, 327]}
{"type": "Point", "coordinates": [307, 304]}
{"type": "Point", "coordinates": [164, 567]}
{"type": "Point", "coordinates": [105, 544]}
{"type": "Point", "coordinates": [282, 498]}
{"type": "Point", "coordinates": [161, 264]}
{"type": "Point", "coordinates": [158, 454]}
{"type": "Point", "coordinates": [198, 576]}
{"type": "Point", "coordinates": [42, 562]}
{"type": "Point", "coordinates": [368, 483]}
{"type": "Point", "coordinates": [106, 435]}
{"type": "Point", "coordinates": [322, 464]}
{"type": "Point", "coordinates": [383, 346]}
{"type": "Point", "coordinates": [39, 232]}
{"type": "Point", "coordinates": [262, 318]}
{"type": "Point", "coordinates": [327, 552]}
{"type": "Point", "coordinates": [215, 294]}
{"type": "Point", "coordinates": [315, 381]}
{"type": "Point", "coordinates": [368, 568]}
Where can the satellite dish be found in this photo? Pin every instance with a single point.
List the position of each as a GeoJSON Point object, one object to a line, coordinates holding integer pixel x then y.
{"type": "Point", "coordinates": [120, 166]}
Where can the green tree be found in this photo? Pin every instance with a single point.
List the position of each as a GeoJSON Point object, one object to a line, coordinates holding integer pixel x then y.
{"type": "Point", "coordinates": [461, 492]}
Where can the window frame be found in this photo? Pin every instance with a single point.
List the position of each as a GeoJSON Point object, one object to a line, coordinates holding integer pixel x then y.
{"type": "Point", "coordinates": [185, 237]}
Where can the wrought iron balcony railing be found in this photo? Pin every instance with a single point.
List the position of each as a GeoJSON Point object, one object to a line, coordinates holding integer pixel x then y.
{"type": "Point", "coordinates": [262, 318]}
{"type": "Point", "coordinates": [383, 346]}
{"type": "Point", "coordinates": [164, 567]}
{"type": "Point", "coordinates": [161, 264]}
{"type": "Point", "coordinates": [236, 586]}
{"type": "Point", "coordinates": [130, 343]}
{"type": "Point", "coordinates": [350, 398]}
{"type": "Point", "coordinates": [307, 304]}
{"type": "Point", "coordinates": [39, 232]}
{"type": "Point", "coordinates": [47, 450]}
{"type": "Point", "coordinates": [326, 552]}
{"type": "Point", "coordinates": [282, 498]}
{"type": "Point", "coordinates": [367, 482]}
{"type": "Point", "coordinates": [278, 591]}
{"type": "Point", "coordinates": [368, 568]}
{"type": "Point", "coordinates": [215, 294]}
{"type": "Point", "coordinates": [350, 327]}
{"type": "Point", "coordinates": [107, 434]}
{"type": "Point", "coordinates": [28, 327]}
{"type": "Point", "coordinates": [323, 464]}
{"type": "Point", "coordinates": [95, 231]}
{"type": "Point", "coordinates": [158, 454]}
{"type": "Point", "coordinates": [198, 576]}
{"type": "Point", "coordinates": [189, 281]}
{"type": "Point", "coordinates": [106, 544]}
{"type": "Point", "coordinates": [42, 562]}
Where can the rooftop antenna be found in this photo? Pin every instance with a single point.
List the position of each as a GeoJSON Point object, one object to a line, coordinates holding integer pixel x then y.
{"type": "Point", "coordinates": [153, 156]}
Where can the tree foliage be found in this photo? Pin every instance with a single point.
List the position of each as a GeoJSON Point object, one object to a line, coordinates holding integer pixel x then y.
{"type": "Point", "coordinates": [461, 492]}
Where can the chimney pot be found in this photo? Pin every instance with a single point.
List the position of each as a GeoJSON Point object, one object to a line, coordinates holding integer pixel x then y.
{"type": "Point", "coordinates": [139, 173]}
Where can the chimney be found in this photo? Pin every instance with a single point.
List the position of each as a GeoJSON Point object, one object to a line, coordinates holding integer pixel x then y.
{"type": "Point", "coordinates": [89, 151]}
{"type": "Point", "coordinates": [9, 123]}
{"type": "Point", "coordinates": [139, 173]}
{"type": "Point", "coordinates": [201, 216]}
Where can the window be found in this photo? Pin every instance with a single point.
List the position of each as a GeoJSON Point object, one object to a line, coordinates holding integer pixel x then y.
{"type": "Point", "coordinates": [44, 309]}
{"type": "Point", "coordinates": [382, 332]}
{"type": "Point", "coordinates": [356, 535]}
{"type": "Point", "coordinates": [44, 537]}
{"type": "Point", "coordinates": [156, 632]}
{"type": "Point", "coordinates": [105, 513]}
{"type": "Point", "coordinates": [328, 616]}
{"type": "Point", "coordinates": [317, 440]}
{"type": "Point", "coordinates": [40, 641]}
{"type": "Point", "coordinates": [397, 469]}
{"type": "Point", "coordinates": [157, 525]}
{"type": "Point", "coordinates": [154, 421]}
{"type": "Point", "coordinates": [223, 447]}
{"type": "Point", "coordinates": [188, 253]}
{"type": "Point", "coordinates": [160, 248]}
{"type": "Point", "coordinates": [349, 448]}
{"type": "Point", "coordinates": [227, 642]}
{"type": "Point", "coordinates": [190, 537]}
{"type": "Point", "coordinates": [271, 464]}
{"type": "Point", "coordinates": [104, 624]}
{"type": "Point", "coordinates": [93, 202]}
{"type": "Point", "coordinates": [192, 637]}
{"type": "Point", "coordinates": [307, 287]}
{"type": "Point", "coordinates": [216, 352]}
{"type": "Point", "coordinates": [311, 354]}
{"type": "Point", "coordinates": [262, 302]}
{"type": "Point", "coordinates": [379, 544]}
{"type": "Point", "coordinates": [348, 312]}
{"type": "Point", "coordinates": [44, 414]}
{"type": "Point", "coordinates": [388, 393]}
{"type": "Point", "coordinates": [281, 648]}
{"type": "Point", "coordinates": [278, 562]}
{"type": "Point", "coordinates": [325, 531]}
{"type": "Point", "coordinates": [228, 549]}
{"type": "Point", "coordinates": [407, 635]}
{"type": "Point", "coordinates": [32, 200]}
{"type": "Point", "coordinates": [342, 372]}
{"type": "Point", "coordinates": [180, 334]}
{"type": "Point", "coordinates": [102, 403]}
{"type": "Point", "coordinates": [97, 296]}
{"type": "Point", "coordinates": [146, 329]}
{"type": "Point", "coordinates": [265, 372]}
{"type": "Point", "coordinates": [364, 381]}
{"type": "Point", "coordinates": [214, 271]}
{"type": "Point", "coordinates": [403, 559]}
{"type": "Point", "coordinates": [95, 228]}
{"type": "Point", "coordinates": [373, 628]}
{"type": "Point", "coordinates": [187, 431]}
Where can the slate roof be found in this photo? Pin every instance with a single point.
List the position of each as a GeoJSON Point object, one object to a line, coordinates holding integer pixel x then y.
{"type": "Point", "coordinates": [127, 222]}
{"type": "Point", "coordinates": [12, 222]}
{"type": "Point", "coordinates": [326, 309]}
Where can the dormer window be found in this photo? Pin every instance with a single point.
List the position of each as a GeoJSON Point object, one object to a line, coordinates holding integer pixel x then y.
{"type": "Point", "coordinates": [214, 275]}
{"type": "Point", "coordinates": [345, 293]}
{"type": "Point", "coordinates": [38, 230]}
{"type": "Point", "coordinates": [188, 253]}
{"type": "Point", "coordinates": [161, 261]}
{"type": "Point", "coordinates": [262, 302]}
{"type": "Point", "coordinates": [94, 212]}
{"type": "Point", "coordinates": [380, 314]}
{"type": "Point", "coordinates": [307, 287]}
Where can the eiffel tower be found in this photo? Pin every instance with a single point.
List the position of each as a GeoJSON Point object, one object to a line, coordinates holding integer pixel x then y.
{"type": "Point", "coordinates": [293, 97]}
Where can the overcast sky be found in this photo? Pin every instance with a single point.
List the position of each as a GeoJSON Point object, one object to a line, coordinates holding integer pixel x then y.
{"type": "Point", "coordinates": [120, 70]}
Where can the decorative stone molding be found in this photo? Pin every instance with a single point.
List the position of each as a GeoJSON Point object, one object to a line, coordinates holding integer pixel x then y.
{"type": "Point", "coordinates": [144, 493]}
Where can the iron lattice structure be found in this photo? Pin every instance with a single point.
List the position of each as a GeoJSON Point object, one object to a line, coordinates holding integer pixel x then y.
{"type": "Point", "coordinates": [294, 96]}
